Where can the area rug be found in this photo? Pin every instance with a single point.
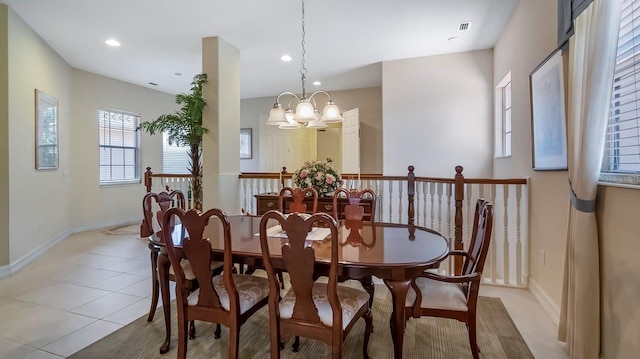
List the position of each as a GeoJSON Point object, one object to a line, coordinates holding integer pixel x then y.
{"type": "Point", "coordinates": [432, 338]}
{"type": "Point", "coordinates": [129, 229]}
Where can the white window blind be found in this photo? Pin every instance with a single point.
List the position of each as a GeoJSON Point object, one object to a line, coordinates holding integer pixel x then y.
{"type": "Point", "coordinates": [622, 145]}
{"type": "Point", "coordinates": [175, 159]}
{"type": "Point", "coordinates": [119, 146]}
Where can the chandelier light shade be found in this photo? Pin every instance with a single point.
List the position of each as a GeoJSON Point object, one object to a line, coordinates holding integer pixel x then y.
{"type": "Point", "coordinates": [306, 113]}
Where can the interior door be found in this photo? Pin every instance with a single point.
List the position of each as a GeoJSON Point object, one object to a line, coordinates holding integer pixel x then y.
{"type": "Point", "coordinates": [273, 147]}
{"type": "Point", "coordinates": [351, 142]}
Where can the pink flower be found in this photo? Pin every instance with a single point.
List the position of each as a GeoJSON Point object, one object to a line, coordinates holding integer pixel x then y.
{"type": "Point", "coordinates": [303, 173]}
{"type": "Point", "coordinates": [330, 179]}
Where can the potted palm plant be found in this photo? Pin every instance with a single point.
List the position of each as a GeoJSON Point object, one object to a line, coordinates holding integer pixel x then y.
{"type": "Point", "coordinates": [184, 128]}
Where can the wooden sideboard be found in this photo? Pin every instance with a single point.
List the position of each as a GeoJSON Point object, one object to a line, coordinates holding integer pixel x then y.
{"type": "Point", "coordinates": [269, 201]}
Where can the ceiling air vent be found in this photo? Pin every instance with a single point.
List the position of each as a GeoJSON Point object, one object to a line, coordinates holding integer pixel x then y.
{"type": "Point", "coordinates": [464, 26]}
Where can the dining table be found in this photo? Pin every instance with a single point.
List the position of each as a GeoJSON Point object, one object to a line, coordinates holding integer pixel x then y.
{"type": "Point", "coordinates": [395, 253]}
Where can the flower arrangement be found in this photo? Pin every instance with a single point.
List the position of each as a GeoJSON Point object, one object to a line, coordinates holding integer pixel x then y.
{"type": "Point", "coordinates": [320, 175]}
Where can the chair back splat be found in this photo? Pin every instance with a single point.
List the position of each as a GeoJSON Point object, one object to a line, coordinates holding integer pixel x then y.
{"type": "Point", "coordinates": [472, 261]}
{"type": "Point", "coordinates": [353, 211]}
{"type": "Point", "coordinates": [298, 196]}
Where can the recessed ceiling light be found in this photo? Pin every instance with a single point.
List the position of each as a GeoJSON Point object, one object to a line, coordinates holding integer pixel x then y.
{"type": "Point", "coordinates": [177, 73]}
{"type": "Point", "coordinates": [153, 84]}
{"type": "Point", "coordinates": [317, 83]}
{"type": "Point", "coordinates": [285, 58]}
{"type": "Point", "coordinates": [112, 42]}
{"type": "Point", "coordinates": [452, 38]}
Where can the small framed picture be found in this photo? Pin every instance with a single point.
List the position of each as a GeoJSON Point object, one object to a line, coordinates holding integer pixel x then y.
{"type": "Point", "coordinates": [46, 131]}
{"type": "Point", "coordinates": [549, 131]}
{"type": "Point", "coordinates": [246, 139]}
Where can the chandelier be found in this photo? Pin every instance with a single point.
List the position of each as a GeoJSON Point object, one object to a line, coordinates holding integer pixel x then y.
{"type": "Point", "coordinates": [306, 114]}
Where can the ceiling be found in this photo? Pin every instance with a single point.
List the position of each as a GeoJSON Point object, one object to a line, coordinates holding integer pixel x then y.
{"type": "Point", "coordinates": [346, 40]}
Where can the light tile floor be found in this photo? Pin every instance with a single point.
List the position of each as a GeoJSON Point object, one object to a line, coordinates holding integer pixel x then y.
{"type": "Point", "coordinates": [94, 283]}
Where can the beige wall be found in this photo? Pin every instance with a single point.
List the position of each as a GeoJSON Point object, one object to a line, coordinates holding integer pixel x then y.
{"type": "Point", "coordinates": [530, 37]}
{"type": "Point", "coordinates": [40, 199]}
{"type": "Point", "coordinates": [367, 100]}
{"type": "Point", "coordinates": [618, 227]}
{"type": "Point", "coordinates": [426, 97]}
{"type": "Point", "coordinates": [47, 205]}
{"type": "Point", "coordinates": [94, 204]}
{"type": "Point", "coordinates": [4, 136]}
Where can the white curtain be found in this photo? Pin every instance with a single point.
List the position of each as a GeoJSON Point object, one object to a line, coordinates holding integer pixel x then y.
{"type": "Point", "coordinates": [592, 56]}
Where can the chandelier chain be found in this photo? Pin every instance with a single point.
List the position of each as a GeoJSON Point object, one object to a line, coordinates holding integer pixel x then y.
{"type": "Point", "coordinates": [303, 69]}
{"type": "Point", "coordinates": [306, 114]}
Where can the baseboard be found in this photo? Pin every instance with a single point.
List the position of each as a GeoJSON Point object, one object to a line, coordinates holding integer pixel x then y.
{"type": "Point", "coordinates": [16, 266]}
{"type": "Point", "coordinates": [5, 271]}
{"type": "Point", "coordinates": [547, 304]}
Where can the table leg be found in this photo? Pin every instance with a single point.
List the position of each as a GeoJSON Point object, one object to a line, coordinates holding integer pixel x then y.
{"type": "Point", "coordinates": [163, 274]}
{"type": "Point", "coordinates": [399, 289]}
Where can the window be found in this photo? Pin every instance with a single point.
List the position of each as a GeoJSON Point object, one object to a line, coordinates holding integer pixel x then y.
{"type": "Point", "coordinates": [621, 157]}
{"type": "Point", "coordinates": [119, 146]}
{"type": "Point", "coordinates": [175, 159]}
{"type": "Point", "coordinates": [503, 118]}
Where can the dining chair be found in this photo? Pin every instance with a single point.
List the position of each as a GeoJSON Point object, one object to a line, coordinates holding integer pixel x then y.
{"type": "Point", "coordinates": [456, 296]}
{"type": "Point", "coordinates": [354, 214]}
{"type": "Point", "coordinates": [298, 195]}
{"type": "Point", "coordinates": [323, 311]}
{"type": "Point", "coordinates": [160, 203]}
{"type": "Point", "coordinates": [228, 298]}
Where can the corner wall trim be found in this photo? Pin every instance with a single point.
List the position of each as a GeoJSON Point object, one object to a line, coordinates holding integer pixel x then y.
{"type": "Point", "coordinates": [16, 266]}
{"type": "Point", "coordinates": [547, 304]}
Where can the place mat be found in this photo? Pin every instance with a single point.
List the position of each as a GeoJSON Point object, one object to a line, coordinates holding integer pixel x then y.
{"type": "Point", "coordinates": [316, 234]}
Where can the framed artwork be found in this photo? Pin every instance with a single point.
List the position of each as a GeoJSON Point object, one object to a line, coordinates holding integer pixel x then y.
{"type": "Point", "coordinates": [548, 129]}
{"type": "Point", "coordinates": [46, 131]}
{"type": "Point", "coordinates": [246, 151]}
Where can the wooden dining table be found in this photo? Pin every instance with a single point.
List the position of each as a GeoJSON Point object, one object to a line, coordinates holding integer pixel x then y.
{"type": "Point", "coordinates": [395, 253]}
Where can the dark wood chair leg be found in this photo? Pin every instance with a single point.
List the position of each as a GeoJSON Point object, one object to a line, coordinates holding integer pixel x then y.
{"type": "Point", "coordinates": [234, 342]}
{"type": "Point", "coordinates": [155, 286]}
{"type": "Point", "coordinates": [471, 327]}
{"type": "Point", "coordinates": [163, 278]}
{"type": "Point", "coordinates": [368, 318]}
{"type": "Point", "coordinates": [182, 335]}
{"type": "Point", "coordinates": [370, 287]}
{"type": "Point", "coordinates": [192, 329]}
{"type": "Point", "coordinates": [296, 345]}
{"type": "Point", "coordinates": [281, 279]}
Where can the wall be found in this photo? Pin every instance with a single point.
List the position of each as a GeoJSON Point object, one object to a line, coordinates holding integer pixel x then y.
{"type": "Point", "coordinates": [4, 136]}
{"type": "Point", "coordinates": [618, 226]}
{"type": "Point", "coordinates": [92, 203]}
{"type": "Point", "coordinates": [47, 205]}
{"type": "Point", "coordinates": [529, 37]}
{"type": "Point", "coordinates": [40, 199]}
{"type": "Point", "coordinates": [426, 97]}
{"type": "Point", "coordinates": [367, 100]}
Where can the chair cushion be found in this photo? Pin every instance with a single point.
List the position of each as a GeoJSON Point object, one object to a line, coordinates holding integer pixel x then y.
{"type": "Point", "coordinates": [351, 300]}
{"type": "Point", "coordinates": [251, 290]}
{"type": "Point", "coordinates": [188, 271]}
{"type": "Point", "coordinates": [438, 295]}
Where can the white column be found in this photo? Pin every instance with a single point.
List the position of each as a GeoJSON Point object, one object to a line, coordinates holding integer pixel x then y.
{"type": "Point", "coordinates": [221, 116]}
